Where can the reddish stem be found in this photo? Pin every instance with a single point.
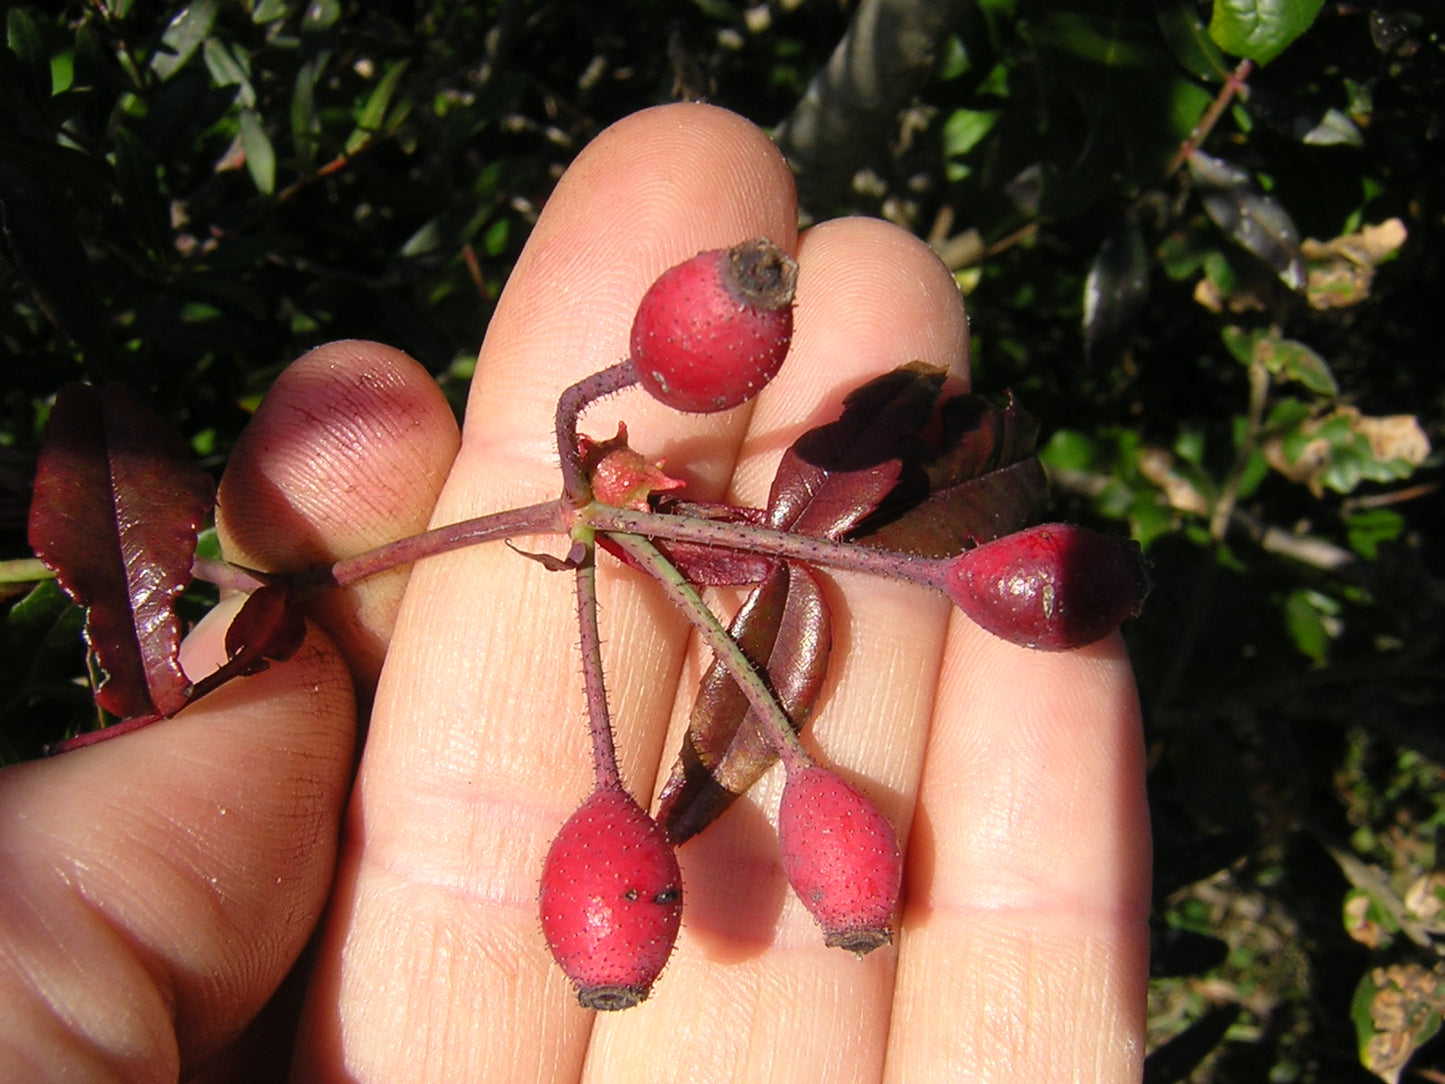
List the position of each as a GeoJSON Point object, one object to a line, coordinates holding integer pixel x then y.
{"type": "Point", "coordinates": [1233, 84]}
{"type": "Point", "coordinates": [576, 490]}
{"type": "Point", "coordinates": [774, 721]}
{"type": "Point", "coordinates": [599, 719]}
{"type": "Point", "coordinates": [751, 538]}
{"type": "Point", "coordinates": [548, 517]}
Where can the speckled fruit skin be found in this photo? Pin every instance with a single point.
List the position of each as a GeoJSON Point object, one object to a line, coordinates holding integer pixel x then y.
{"type": "Point", "coordinates": [842, 858]}
{"type": "Point", "coordinates": [611, 900]}
{"type": "Point", "coordinates": [1053, 587]}
{"type": "Point", "coordinates": [710, 332]}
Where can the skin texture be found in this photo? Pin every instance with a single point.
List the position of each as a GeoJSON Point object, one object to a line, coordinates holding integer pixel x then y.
{"type": "Point", "coordinates": [157, 888]}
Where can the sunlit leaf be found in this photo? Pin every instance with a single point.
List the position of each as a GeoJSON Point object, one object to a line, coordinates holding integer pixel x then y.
{"type": "Point", "coordinates": [185, 34]}
{"type": "Point", "coordinates": [260, 155]}
{"type": "Point", "coordinates": [369, 118]}
{"type": "Point", "coordinates": [1260, 29]}
{"type": "Point", "coordinates": [782, 627]}
{"type": "Point", "coordinates": [117, 506]}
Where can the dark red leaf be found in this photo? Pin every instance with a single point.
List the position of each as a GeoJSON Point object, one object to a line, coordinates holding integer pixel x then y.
{"type": "Point", "coordinates": [980, 481]}
{"type": "Point", "coordinates": [913, 464]}
{"type": "Point", "coordinates": [836, 474]}
{"type": "Point", "coordinates": [783, 627]}
{"type": "Point", "coordinates": [117, 505]}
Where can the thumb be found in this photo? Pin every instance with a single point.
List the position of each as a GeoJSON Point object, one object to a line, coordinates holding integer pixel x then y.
{"type": "Point", "coordinates": [154, 890]}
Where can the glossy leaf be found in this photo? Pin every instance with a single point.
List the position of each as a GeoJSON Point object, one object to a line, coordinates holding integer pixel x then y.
{"type": "Point", "coordinates": [185, 34]}
{"type": "Point", "coordinates": [782, 626]}
{"type": "Point", "coordinates": [979, 481]}
{"type": "Point", "coordinates": [116, 509]}
{"type": "Point", "coordinates": [1253, 220]}
{"type": "Point", "coordinates": [1115, 288]}
{"type": "Point", "coordinates": [913, 463]}
{"type": "Point", "coordinates": [1260, 29]}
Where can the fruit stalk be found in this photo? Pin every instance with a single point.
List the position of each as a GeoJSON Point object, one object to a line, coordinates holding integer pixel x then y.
{"type": "Point", "coordinates": [599, 718]}
{"type": "Point", "coordinates": [684, 595]}
{"type": "Point", "coordinates": [576, 491]}
{"type": "Point", "coordinates": [754, 538]}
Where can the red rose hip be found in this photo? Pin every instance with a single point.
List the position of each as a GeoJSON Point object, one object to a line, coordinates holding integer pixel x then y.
{"type": "Point", "coordinates": [842, 858]}
{"type": "Point", "coordinates": [611, 900]}
{"type": "Point", "coordinates": [710, 332]}
{"type": "Point", "coordinates": [1053, 587]}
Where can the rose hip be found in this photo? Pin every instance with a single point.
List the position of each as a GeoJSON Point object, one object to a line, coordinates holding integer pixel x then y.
{"type": "Point", "coordinates": [1051, 587]}
{"type": "Point", "coordinates": [611, 900]}
{"type": "Point", "coordinates": [841, 856]}
{"type": "Point", "coordinates": [710, 332]}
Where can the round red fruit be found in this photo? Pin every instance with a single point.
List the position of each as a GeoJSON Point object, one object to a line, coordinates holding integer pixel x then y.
{"type": "Point", "coordinates": [611, 900]}
{"type": "Point", "coordinates": [711, 332]}
{"type": "Point", "coordinates": [1053, 587]}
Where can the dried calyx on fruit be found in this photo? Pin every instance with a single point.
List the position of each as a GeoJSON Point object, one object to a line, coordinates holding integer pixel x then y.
{"type": "Point", "coordinates": [710, 332]}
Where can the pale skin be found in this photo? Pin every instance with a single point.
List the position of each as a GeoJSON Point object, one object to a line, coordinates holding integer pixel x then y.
{"type": "Point", "coordinates": [155, 890]}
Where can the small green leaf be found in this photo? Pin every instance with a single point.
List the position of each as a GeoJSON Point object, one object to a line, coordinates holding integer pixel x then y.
{"type": "Point", "coordinates": [230, 66]}
{"type": "Point", "coordinates": [183, 37]}
{"type": "Point", "coordinates": [1260, 29]}
{"type": "Point", "coordinates": [1069, 449]}
{"type": "Point", "coordinates": [305, 120]}
{"type": "Point", "coordinates": [373, 112]}
{"type": "Point", "coordinates": [1312, 619]}
{"type": "Point", "coordinates": [1291, 360]}
{"type": "Point", "coordinates": [1334, 130]}
{"type": "Point", "coordinates": [1368, 529]}
{"type": "Point", "coordinates": [260, 155]}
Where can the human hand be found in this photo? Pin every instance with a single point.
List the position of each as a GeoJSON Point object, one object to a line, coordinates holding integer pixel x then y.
{"type": "Point", "coordinates": [158, 887]}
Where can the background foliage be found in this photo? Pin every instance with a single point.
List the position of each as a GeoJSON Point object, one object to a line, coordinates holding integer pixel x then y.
{"type": "Point", "coordinates": [1202, 242]}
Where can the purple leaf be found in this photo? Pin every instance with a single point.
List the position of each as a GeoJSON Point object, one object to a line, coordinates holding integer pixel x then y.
{"type": "Point", "coordinates": [783, 627]}
{"type": "Point", "coordinates": [116, 509]}
{"type": "Point", "coordinates": [978, 481]}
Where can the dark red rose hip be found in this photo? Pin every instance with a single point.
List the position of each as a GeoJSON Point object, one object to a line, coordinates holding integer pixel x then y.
{"type": "Point", "coordinates": [1051, 587]}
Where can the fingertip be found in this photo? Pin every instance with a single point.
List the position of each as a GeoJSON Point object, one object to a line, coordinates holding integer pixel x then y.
{"type": "Point", "coordinates": [348, 450]}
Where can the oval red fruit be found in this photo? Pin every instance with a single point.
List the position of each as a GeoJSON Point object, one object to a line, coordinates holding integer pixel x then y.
{"type": "Point", "coordinates": [710, 332]}
{"type": "Point", "coordinates": [1051, 587]}
{"type": "Point", "coordinates": [611, 900]}
{"type": "Point", "coordinates": [842, 858]}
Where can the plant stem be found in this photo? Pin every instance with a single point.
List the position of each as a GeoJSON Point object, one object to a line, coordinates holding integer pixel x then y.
{"type": "Point", "coordinates": [751, 538]}
{"type": "Point", "coordinates": [599, 719]}
{"type": "Point", "coordinates": [1234, 83]}
{"type": "Point", "coordinates": [548, 517]}
{"type": "Point", "coordinates": [576, 490]}
{"type": "Point", "coordinates": [776, 726]}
